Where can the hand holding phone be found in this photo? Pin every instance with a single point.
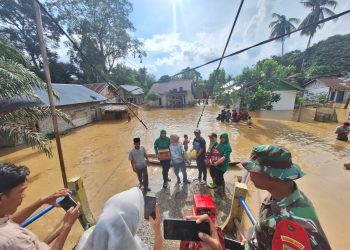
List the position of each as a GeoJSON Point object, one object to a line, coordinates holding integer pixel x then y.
{"type": "Point", "coordinates": [150, 207]}
{"type": "Point", "coordinates": [179, 229]}
{"type": "Point", "coordinates": [209, 240]}
{"type": "Point", "coordinates": [67, 202]}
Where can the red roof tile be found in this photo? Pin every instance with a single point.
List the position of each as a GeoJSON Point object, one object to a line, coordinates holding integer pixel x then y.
{"type": "Point", "coordinates": [333, 82]}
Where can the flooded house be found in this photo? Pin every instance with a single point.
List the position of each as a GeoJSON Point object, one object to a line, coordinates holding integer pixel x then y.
{"type": "Point", "coordinates": [80, 104]}
{"type": "Point", "coordinates": [335, 89]}
{"type": "Point", "coordinates": [173, 94]}
{"type": "Point", "coordinates": [131, 94]}
{"type": "Point", "coordinates": [118, 94]}
{"type": "Point", "coordinates": [288, 92]}
{"type": "Point", "coordinates": [103, 89]}
{"type": "Point", "coordinates": [118, 111]}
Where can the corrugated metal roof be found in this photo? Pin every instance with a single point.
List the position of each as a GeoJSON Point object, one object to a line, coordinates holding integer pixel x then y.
{"type": "Point", "coordinates": [333, 82]}
{"type": "Point", "coordinates": [97, 87]}
{"type": "Point", "coordinates": [134, 90]}
{"type": "Point", "coordinates": [70, 94]}
{"type": "Point", "coordinates": [162, 88]}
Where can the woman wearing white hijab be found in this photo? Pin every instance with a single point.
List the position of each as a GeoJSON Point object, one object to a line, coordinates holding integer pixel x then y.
{"type": "Point", "coordinates": [119, 221]}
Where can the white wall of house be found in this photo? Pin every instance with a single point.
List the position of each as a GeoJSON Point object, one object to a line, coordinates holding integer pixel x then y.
{"type": "Point", "coordinates": [315, 89]}
{"type": "Point", "coordinates": [79, 114]}
{"type": "Point", "coordinates": [287, 100]}
{"type": "Point", "coordinates": [189, 97]}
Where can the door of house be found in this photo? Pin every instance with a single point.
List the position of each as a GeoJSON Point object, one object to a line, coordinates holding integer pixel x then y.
{"type": "Point", "coordinates": [340, 96]}
{"type": "Point", "coordinates": [160, 101]}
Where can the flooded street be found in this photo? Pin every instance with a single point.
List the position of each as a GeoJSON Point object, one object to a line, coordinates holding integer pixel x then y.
{"type": "Point", "coordinates": [99, 154]}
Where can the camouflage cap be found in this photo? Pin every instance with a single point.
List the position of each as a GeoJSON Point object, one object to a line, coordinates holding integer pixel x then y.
{"type": "Point", "coordinates": [273, 161]}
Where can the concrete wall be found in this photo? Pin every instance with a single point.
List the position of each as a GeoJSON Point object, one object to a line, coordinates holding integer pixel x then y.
{"type": "Point", "coordinates": [315, 89]}
{"type": "Point", "coordinates": [126, 96]}
{"type": "Point", "coordinates": [287, 100]}
{"type": "Point", "coordinates": [80, 115]}
{"type": "Point", "coordinates": [189, 99]}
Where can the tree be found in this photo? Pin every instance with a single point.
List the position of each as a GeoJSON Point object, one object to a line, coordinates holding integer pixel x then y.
{"type": "Point", "coordinates": [103, 28]}
{"type": "Point", "coordinates": [282, 26]}
{"type": "Point", "coordinates": [63, 72]}
{"type": "Point", "coordinates": [319, 9]}
{"type": "Point", "coordinates": [17, 24]}
{"type": "Point", "coordinates": [152, 96]}
{"type": "Point", "coordinates": [187, 74]}
{"type": "Point", "coordinates": [261, 98]}
{"type": "Point", "coordinates": [256, 84]}
{"type": "Point", "coordinates": [164, 78]}
{"type": "Point", "coordinates": [330, 57]}
{"type": "Point", "coordinates": [17, 81]}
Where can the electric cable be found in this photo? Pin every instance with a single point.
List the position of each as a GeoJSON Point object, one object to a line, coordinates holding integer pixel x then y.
{"type": "Point", "coordinates": [86, 59]}
{"type": "Point", "coordinates": [222, 57]}
{"type": "Point", "coordinates": [266, 41]}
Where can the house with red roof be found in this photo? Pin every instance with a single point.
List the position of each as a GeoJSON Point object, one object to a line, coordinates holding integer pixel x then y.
{"type": "Point", "coordinates": [335, 88]}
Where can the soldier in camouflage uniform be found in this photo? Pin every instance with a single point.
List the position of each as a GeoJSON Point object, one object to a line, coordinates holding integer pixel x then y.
{"type": "Point", "coordinates": [271, 169]}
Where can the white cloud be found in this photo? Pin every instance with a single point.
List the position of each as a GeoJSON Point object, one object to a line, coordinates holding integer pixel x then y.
{"type": "Point", "coordinates": [260, 19]}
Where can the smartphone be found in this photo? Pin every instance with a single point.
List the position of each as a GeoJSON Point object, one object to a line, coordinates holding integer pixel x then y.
{"type": "Point", "coordinates": [150, 207]}
{"type": "Point", "coordinates": [178, 229]}
{"type": "Point", "coordinates": [67, 203]}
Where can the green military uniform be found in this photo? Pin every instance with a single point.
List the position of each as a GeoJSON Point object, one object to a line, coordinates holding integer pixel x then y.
{"type": "Point", "coordinates": [276, 162]}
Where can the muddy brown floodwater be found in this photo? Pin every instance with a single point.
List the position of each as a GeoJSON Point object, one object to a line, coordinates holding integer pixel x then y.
{"type": "Point", "coordinates": [98, 153]}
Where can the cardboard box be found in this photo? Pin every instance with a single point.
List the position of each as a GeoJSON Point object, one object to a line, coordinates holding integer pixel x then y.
{"type": "Point", "coordinates": [163, 154]}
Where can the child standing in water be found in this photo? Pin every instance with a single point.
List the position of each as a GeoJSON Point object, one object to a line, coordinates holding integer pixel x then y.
{"type": "Point", "coordinates": [186, 142]}
{"type": "Point", "coordinates": [177, 157]}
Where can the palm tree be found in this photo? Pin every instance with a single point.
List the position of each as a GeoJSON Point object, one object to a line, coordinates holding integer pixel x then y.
{"type": "Point", "coordinates": [282, 26]}
{"type": "Point", "coordinates": [319, 8]}
{"type": "Point", "coordinates": [16, 80]}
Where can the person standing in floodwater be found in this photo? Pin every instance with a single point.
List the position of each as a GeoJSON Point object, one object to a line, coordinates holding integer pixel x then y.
{"type": "Point", "coordinates": [343, 131]}
{"type": "Point", "coordinates": [163, 143]}
{"type": "Point", "coordinates": [129, 117]}
{"type": "Point", "coordinates": [139, 159]}
{"type": "Point", "coordinates": [199, 145]}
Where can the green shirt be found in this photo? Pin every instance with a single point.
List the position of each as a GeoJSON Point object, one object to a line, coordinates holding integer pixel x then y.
{"type": "Point", "coordinates": [296, 207]}
{"type": "Point", "coordinates": [161, 143]}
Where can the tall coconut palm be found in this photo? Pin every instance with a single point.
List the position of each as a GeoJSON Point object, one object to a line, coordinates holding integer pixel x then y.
{"type": "Point", "coordinates": [17, 81]}
{"type": "Point", "coordinates": [319, 8]}
{"type": "Point", "coordinates": [282, 26]}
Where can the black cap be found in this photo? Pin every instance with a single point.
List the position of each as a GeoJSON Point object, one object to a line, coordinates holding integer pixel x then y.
{"type": "Point", "coordinates": [137, 140]}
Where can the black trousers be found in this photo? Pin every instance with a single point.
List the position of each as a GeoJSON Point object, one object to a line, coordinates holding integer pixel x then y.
{"type": "Point", "coordinates": [142, 175]}
{"type": "Point", "coordinates": [166, 166]}
{"type": "Point", "coordinates": [202, 170]}
{"type": "Point", "coordinates": [217, 176]}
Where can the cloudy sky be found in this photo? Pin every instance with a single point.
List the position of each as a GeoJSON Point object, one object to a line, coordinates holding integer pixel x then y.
{"type": "Point", "coordinates": [186, 33]}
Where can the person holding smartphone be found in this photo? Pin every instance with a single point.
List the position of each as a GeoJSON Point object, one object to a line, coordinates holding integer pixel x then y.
{"type": "Point", "coordinates": [208, 242]}
{"type": "Point", "coordinates": [13, 183]}
{"type": "Point", "coordinates": [118, 223]}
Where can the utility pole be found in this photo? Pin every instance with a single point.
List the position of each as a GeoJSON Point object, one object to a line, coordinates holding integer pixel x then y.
{"type": "Point", "coordinates": [39, 27]}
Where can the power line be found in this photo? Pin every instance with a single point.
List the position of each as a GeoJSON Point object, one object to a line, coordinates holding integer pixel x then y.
{"type": "Point", "coordinates": [222, 57]}
{"type": "Point", "coordinates": [267, 41]}
{"type": "Point", "coordinates": [87, 60]}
